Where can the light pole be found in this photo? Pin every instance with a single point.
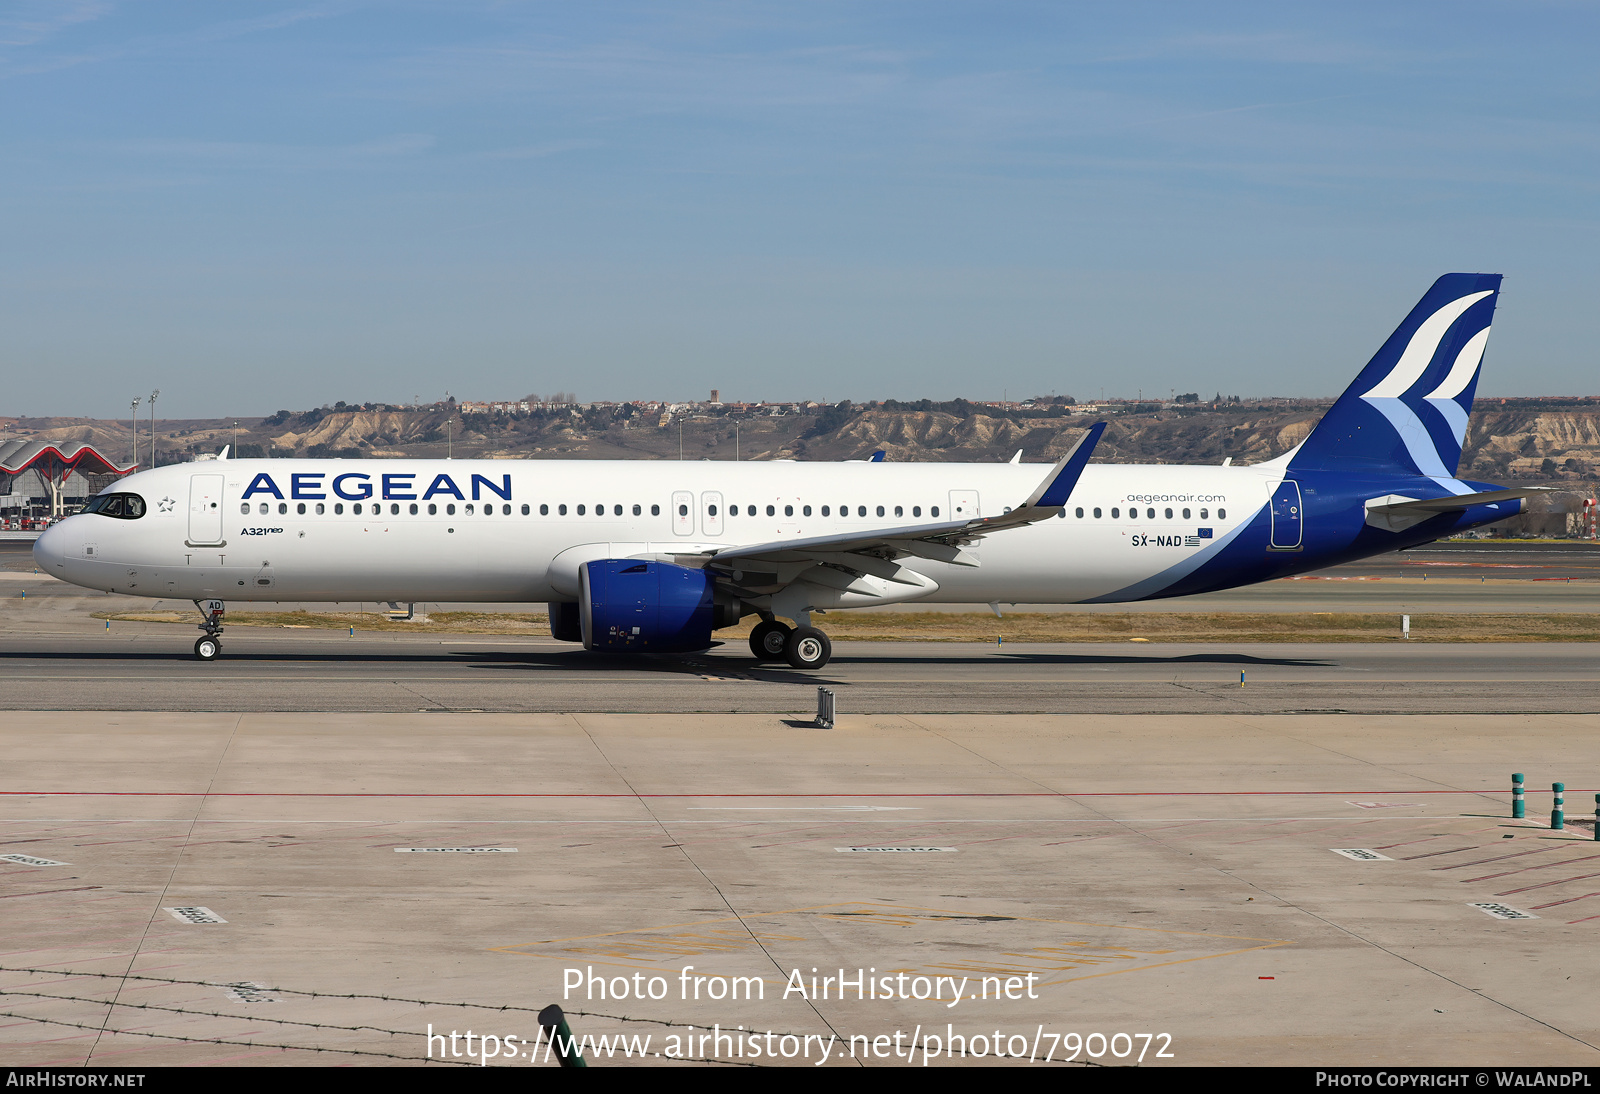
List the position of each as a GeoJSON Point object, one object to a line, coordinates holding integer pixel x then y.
{"type": "Point", "coordinates": [153, 395]}
{"type": "Point", "coordinates": [235, 449]}
{"type": "Point", "coordinates": [133, 412]}
{"type": "Point", "coordinates": [449, 438]}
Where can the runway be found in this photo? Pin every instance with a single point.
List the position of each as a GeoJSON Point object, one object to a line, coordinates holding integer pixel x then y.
{"type": "Point", "coordinates": [264, 670]}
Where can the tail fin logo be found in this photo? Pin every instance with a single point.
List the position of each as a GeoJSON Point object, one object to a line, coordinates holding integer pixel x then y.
{"type": "Point", "coordinates": [1428, 448]}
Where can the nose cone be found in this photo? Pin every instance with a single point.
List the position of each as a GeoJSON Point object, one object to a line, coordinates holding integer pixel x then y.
{"type": "Point", "coordinates": [50, 549]}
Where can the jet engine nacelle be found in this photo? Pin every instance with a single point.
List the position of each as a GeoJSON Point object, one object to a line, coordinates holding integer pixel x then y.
{"type": "Point", "coordinates": [625, 604]}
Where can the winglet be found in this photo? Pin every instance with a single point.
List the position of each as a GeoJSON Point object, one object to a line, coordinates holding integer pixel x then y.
{"type": "Point", "coordinates": [1056, 489]}
{"type": "Point", "coordinates": [876, 457]}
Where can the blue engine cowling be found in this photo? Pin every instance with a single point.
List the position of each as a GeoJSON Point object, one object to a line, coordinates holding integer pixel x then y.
{"type": "Point", "coordinates": [645, 607]}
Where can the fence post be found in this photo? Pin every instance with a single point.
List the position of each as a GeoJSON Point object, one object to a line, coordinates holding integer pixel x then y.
{"type": "Point", "coordinates": [560, 1034]}
{"type": "Point", "coordinates": [1558, 819]}
{"type": "Point", "coordinates": [1518, 809]}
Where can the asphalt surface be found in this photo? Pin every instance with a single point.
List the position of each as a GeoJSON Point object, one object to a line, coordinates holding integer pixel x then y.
{"type": "Point", "coordinates": [307, 671]}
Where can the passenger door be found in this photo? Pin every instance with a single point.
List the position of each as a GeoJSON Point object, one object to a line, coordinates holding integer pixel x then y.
{"type": "Point", "coordinates": [205, 510]}
{"type": "Point", "coordinates": [1287, 524]}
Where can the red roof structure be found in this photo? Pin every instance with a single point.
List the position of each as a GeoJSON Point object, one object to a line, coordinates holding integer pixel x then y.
{"type": "Point", "coordinates": [53, 462]}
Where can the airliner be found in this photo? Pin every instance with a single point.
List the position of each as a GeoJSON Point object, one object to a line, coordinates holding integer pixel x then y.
{"type": "Point", "coordinates": [656, 557]}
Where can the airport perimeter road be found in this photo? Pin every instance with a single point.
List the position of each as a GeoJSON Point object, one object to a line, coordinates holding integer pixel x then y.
{"type": "Point", "coordinates": [264, 670]}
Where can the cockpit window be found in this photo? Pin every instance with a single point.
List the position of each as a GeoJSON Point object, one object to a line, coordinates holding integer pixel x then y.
{"type": "Point", "coordinates": [122, 506]}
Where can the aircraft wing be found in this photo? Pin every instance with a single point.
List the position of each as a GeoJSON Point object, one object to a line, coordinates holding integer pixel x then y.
{"type": "Point", "coordinates": [847, 561]}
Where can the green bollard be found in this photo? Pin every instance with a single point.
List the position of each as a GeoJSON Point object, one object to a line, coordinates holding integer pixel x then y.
{"type": "Point", "coordinates": [1558, 819]}
{"type": "Point", "coordinates": [1518, 810]}
{"type": "Point", "coordinates": [560, 1034]}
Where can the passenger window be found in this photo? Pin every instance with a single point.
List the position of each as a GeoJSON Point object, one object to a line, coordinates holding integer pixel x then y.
{"type": "Point", "coordinates": [861, 510]}
{"type": "Point", "coordinates": [805, 511]}
{"type": "Point", "coordinates": [544, 510]}
{"type": "Point", "coordinates": [413, 508]}
{"type": "Point", "coordinates": [771, 511]}
{"type": "Point", "coordinates": [825, 511]}
{"type": "Point", "coordinates": [525, 509]}
{"type": "Point", "coordinates": [1205, 514]}
{"type": "Point", "coordinates": [320, 509]}
{"type": "Point", "coordinates": [433, 508]}
{"type": "Point", "coordinates": [450, 509]}
{"type": "Point", "coordinates": [244, 507]}
{"type": "Point", "coordinates": [683, 510]}
{"type": "Point", "coordinates": [283, 508]}
{"type": "Point", "coordinates": [655, 510]}
{"type": "Point", "coordinates": [934, 511]}
{"type": "Point", "coordinates": [750, 510]}
{"type": "Point", "coordinates": [1186, 514]}
{"type": "Point", "coordinates": [582, 511]}
{"type": "Point", "coordinates": [467, 509]}
{"type": "Point", "coordinates": [338, 508]}
{"type": "Point", "coordinates": [1080, 512]}
{"type": "Point", "coordinates": [899, 512]}
{"type": "Point", "coordinates": [1097, 512]}
{"type": "Point", "coordinates": [880, 510]}
{"type": "Point", "coordinates": [356, 508]}
{"type": "Point", "coordinates": [616, 510]}
{"type": "Point", "coordinates": [394, 509]}
{"type": "Point", "coordinates": [263, 508]}
{"type": "Point", "coordinates": [300, 509]}
{"type": "Point", "coordinates": [788, 510]}
{"type": "Point", "coordinates": [505, 510]}
{"type": "Point", "coordinates": [1115, 512]}
{"type": "Point", "coordinates": [561, 510]}
{"type": "Point", "coordinates": [1222, 514]}
{"type": "Point", "coordinates": [711, 510]}
{"type": "Point", "coordinates": [916, 510]}
{"type": "Point", "coordinates": [636, 509]}
{"type": "Point", "coordinates": [1169, 514]}
{"type": "Point", "coordinates": [1151, 513]}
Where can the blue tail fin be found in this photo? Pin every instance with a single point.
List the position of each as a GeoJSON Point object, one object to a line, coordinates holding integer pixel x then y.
{"type": "Point", "coordinates": [1407, 411]}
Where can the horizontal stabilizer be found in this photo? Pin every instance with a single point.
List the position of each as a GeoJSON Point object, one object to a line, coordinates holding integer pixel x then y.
{"type": "Point", "coordinates": [1396, 512]}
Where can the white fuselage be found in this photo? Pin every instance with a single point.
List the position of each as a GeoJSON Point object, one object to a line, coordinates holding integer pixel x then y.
{"type": "Point", "coordinates": [515, 531]}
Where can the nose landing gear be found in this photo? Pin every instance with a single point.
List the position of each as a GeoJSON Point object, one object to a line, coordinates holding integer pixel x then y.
{"type": "Point", "coordinates": [207, 647]}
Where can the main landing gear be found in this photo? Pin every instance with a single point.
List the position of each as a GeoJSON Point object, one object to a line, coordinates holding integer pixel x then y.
{"type": "Point", "coordinates": [209, 645]}
{"type": "Point", "coordinates": [802, 647]}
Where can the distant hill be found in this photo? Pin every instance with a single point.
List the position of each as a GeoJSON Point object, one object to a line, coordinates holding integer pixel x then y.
{"type": "Point", "coordinates": [1518, 440]}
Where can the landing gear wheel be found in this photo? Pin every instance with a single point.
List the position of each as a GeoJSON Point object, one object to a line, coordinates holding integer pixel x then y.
{"type": "Point", "coordinates": [770, 640]}
{"type": "Point", "coordinates": [206, 649]}
{"type": "Point", "coordinates": [808, 648]}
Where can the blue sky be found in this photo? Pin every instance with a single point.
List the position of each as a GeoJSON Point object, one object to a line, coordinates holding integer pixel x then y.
{"type": "Point", "coordinates": [263, 205]}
